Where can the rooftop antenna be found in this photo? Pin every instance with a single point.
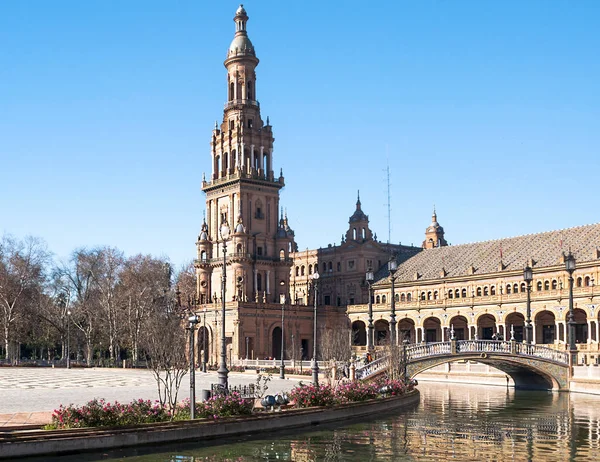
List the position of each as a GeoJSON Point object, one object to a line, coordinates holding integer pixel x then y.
{"type": "Point", "coordinates": [389, 195]}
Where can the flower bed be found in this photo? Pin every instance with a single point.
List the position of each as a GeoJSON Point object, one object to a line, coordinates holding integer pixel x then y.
{"type": "Point", "coordinates": [99, 413]}
{"type": "Point", "coordinates": [308, 395]}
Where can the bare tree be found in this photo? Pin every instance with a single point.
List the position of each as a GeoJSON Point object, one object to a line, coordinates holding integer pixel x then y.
{"type": "Point", "coordinates": [142, 290]}
{"type": "Point", "coordinates": [164, 341]}
{"type": "Point", "coordinates": [79, 282]}
{"type": "Point", "coordinates": [22, 266]}
{"type": "Point", "coordinates": [106, 275]}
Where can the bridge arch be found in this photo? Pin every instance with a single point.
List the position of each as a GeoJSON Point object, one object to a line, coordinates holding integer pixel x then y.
{"type": "Point", "coordinates": [525, 375]}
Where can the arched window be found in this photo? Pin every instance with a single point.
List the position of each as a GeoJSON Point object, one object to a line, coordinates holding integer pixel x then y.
{"type": "Point", "coordinates": [554, 284]}
{"type": "Point", "coordinates": [479, 291]}
{"type": "Point", "coordinates": [354, 233]}
{"type": "Point", "coordinates": [397, 297]}
{"type": "Point", "coordinates": [450, 294]}
{"type": "Point", "coordinates": [233, 158]}
{"type": "Point", "coordinates": [403, 297]}
{"type": "Point", "coordinates": [238, 248]}
{"type": "Point", "coordinates": [297, 271]}
{"type": "Point", "coordinates": [523, 287]}
{"type": "Point", "coordinates": [508, 289]}
{"type": "Point", "coordinates": [383, 299]}
{"type": "Point", "coordinates": [435, 295]}
{"type": "Point", "coordinates": [486, 291]}
{"type": "Point", "coordinates": [539, 286]}
{"type": "Point", "coordinates": [586, 281]}
{"type": "Point", "coordinates": [546, 285]}
{"type": "Point", "coordinates": [258, 282]}
{"type": "Point", "coordinates": [282, 254]}
{"type": "Point", "coordinates": [218, 161]}
{"type": "Point", "coordinates": [339, 266]}
{"type": "Point", "coordinates": [249, 94]}
{"type": "Point", "coordinates": [364, 233]}
{"type": "Point", "coordinates": [231, 91]}
{"type": "Point", "coordinates": [579, 281]}
{"type": "Point", "coordinates": [330, 266]}
{"type": "Point", "coordinates": [302, 270]}
{"type": "Point", "coordinates": [408, 297]}
{"type": "Point", "coordinates": [377, 299]}
{"type": "Point", "coordinates": [422, 295]}
{"type": "Point", "coordinates": [203, 255]}
{"type": "Point", "coordinates": [516, 288]}
{"type": "Point", "coordinates": [457, 293]}
{"type": "Point", "coordinates": [492, 290]}
{"type": "Point", "coordinates": [463, 293]}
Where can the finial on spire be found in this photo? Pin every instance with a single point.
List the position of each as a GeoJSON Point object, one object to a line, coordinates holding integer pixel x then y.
{"type": "Point", "coordinates": [267, 121]}
{"type": "Point", "coordinates": [216, 125]}
{"type": "Point", "coordinates": [281, 171]}
{"type": "Point", "coordinates": [358, 201]}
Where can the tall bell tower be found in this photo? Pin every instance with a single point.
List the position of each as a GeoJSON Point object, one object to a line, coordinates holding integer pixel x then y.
{"type": "Point", "coordinates": [243, 193]}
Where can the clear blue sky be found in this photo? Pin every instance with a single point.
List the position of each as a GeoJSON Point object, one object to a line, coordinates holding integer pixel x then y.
{"type": "Point", "coordinates": [489, 110]}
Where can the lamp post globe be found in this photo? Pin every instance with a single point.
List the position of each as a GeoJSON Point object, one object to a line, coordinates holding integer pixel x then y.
{"type": "Point", "coordinates": [528, 276]}
{"type": "Point", "coordinates": [222, 372]}
{"type": "Point", "coordinates": [370, 277]}
{"type": "Point", "coordinates": [313, 364]}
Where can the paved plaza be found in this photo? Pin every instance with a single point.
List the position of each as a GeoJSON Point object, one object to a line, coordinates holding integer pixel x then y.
{"type": "Point", "coordinates": [31, 394]}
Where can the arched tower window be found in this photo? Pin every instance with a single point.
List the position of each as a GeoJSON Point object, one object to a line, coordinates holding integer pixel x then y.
{"type": "Point", "coordinates": [249, 91]}
{"type": "Point", "coordinates": [408, 297]}
{"type": "Point", "coordinates": [259, 282]}
{"type": "Point", "coordinates": [302, 270]}
{"type": "Point", "coordinates": [354, 234]}
{"type": "Point", "coordinates": [309, 269]}
{"type": "Point", "coordinates": [203, 255]}
{"type": "Point", "coordinates": [231, 91]}
{"type": "Point", "coordinates": [218, 162]}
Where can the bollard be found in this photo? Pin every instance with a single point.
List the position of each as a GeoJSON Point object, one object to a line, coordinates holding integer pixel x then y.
{"type": "Point", "coordinates": [124, 364]}
{"type": "Point", "coordinates": [204, 395]}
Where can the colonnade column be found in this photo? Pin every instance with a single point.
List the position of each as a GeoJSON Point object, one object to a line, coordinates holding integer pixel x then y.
{"type": "Point", "coordinates": [268, 282]}
{"type": "Point", "coordinates": [597, 331]}
{"type": "Point", "coordinates": [241, 157]}
{"type": "Point", "coordinates": [251, 158]}
{"type": "Point", "coordinates": [261, 158]}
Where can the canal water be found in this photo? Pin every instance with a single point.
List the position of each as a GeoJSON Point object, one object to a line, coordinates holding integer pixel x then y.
{"type": "Point", "coordinates": [457, 422]}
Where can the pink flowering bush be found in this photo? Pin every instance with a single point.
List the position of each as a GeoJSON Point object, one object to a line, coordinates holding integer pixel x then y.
{"type": "Point", "coordinates": [217, 406]}
{"type": "Point", "coordinates": [307, 395]}
{"type": "Point", "coordinates": [99, 413]}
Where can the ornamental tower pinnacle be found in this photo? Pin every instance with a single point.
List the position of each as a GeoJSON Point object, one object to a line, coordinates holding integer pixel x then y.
{"type": "Point", "coordinates": [243, 191]}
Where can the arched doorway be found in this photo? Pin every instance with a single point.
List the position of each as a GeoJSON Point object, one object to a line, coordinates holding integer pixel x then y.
{"type": "Point", "coordinates": [432, 329]}
{"type": "Point", "coordinates": [203, 345]}
{"type": "Point", "coordinates": [581, 326]}
{"type": "Point", "coordinates": [544, 328]}
{"type": "Point", "coordinates": [359, 333]}
{"type": "Point", "coordinates": [460, 326]}
{"type": "Point", "coordinates": [381, 331]}
{"type": "Point", "coordinates": [406, 328]}
{"type": "Point", "coordinates": [486, 327]}
{"type": "Point", "coordinates": [516, 322]}
{"type": "Point", "coordinates": [276, 342]}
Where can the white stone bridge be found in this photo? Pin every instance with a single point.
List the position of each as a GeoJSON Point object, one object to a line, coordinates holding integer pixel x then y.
{"type": "Point", "coordinates": [530, 366]}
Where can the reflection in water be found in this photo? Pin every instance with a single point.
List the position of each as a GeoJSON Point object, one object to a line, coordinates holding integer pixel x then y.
{"type": "Point", "coordinates": [459, 422]}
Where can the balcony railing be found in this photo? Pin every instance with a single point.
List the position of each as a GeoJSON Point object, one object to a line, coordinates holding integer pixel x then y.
{"type": "Point", "coordinates": [241, 102]}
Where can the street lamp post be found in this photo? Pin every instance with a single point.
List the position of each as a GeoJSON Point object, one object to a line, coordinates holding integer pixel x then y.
{"type": "Point", "coordinates": [193, 320]}
{"type": "Point", "coordinates": [204, 352]}
{"type": "Point", "coordinates": [528, 276]}
{"type": "Point", "coordinates": [282, 366]}
{"type": "Point", "coordinates": [68, 339]}
{"type": "Point", "coordinates": [370, 277]}
{"type": "Point", "coordinates": [392, 267]}
{"type": "Point", "coordinates": [222, 371]}
{"type": "Point", "coordinates": [313, 364]}
{"type": "Point", "coordinates": [570, 267]}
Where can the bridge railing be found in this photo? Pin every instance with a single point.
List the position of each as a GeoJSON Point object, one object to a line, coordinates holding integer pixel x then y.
{"type": "Point", "coordinates": [543, 352]}
{"type": "Point", "coordinates": [429, 349]}
{"type": "Point", "coordinates": [483, 346]}
{"type": "Point", "coordinates": [372, 368]}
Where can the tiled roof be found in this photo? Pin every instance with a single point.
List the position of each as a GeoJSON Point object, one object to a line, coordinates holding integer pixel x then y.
{"type": "Point", "coordinates": [545, 249]}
